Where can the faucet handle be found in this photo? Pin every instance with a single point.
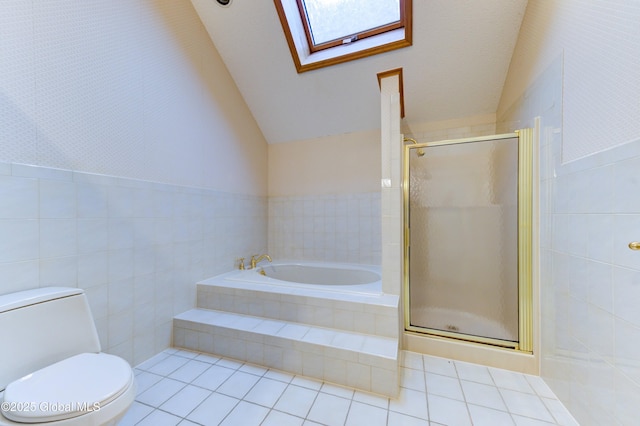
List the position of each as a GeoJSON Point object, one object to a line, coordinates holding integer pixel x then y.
{"type": "Point", "coordinates": [241, 263]}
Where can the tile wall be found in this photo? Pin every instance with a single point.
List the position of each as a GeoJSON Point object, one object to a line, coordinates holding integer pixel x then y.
{"type": "Point", "coordinates": [329, 228]}
{"type": "Point", "coordinates": [134, 92]}
{"type": "Point", "coordinates": [136, 247]}
{"type": "Point", "coordinates": [589, 278]}
{"type": "Point", "coordinates": [591, 283]}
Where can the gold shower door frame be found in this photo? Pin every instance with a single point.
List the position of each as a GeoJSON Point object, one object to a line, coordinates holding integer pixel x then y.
{"type": "Point", "coordinates": [525, 239]}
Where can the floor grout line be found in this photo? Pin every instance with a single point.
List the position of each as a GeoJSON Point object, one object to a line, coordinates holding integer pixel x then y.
{"type": "Point", "coordinates": [318, 387]}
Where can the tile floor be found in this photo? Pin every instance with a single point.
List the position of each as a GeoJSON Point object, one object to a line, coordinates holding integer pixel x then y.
{"type": "Point", "coordinates": [178, 387]}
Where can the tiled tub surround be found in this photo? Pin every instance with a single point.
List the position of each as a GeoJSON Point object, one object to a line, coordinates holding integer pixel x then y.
{"type": "Point", "coordinates": [345, 338]}
{"type": "Point", "coordinates": [331, 228]}
{"type": "Point", "coordinates": [134, 246]}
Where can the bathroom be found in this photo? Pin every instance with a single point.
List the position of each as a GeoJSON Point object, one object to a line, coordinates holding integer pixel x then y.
{"type": "Point", "coordinates": [115, 181]}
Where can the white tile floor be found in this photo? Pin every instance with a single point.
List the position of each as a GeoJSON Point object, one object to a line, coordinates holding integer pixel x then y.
{"type": "Point", "coordinates": [188, 388]}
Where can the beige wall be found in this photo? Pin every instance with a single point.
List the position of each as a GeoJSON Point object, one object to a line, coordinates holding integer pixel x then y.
{"type": "Point", "coordinates": [341, 164]}
{"type": "Point", "coordinates": [463, 127]}
{"type": "Point", "coordinates": [351, 163]}
{"type": "Point", "coordinates": [133, 89]}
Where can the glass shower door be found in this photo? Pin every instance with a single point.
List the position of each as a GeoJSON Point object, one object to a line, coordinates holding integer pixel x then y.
{"type": "Point", "coordinates": [462, 239]}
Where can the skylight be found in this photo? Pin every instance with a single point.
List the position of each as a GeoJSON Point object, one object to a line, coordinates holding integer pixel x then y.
{"type": "Point", "coordinates": [321, 33]}
{"type": "Point", "coordinates": [348, 20]}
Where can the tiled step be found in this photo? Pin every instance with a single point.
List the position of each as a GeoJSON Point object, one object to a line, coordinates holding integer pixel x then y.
{"type": "Point", "coordinates": [363, 361]}
{"type": "Point", "coordinates": [360, 313]}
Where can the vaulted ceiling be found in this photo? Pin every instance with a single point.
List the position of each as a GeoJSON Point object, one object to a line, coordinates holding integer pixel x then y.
{"type": "Point", "coordinates": [456, 67]}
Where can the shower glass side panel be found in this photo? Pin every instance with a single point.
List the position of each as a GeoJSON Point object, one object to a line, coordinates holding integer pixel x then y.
{"type": "Point", "coordinates": [462, 243]}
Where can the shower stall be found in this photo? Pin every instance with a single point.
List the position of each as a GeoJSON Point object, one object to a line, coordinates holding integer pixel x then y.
{"type": "Point", "coordinates": [467, 238]}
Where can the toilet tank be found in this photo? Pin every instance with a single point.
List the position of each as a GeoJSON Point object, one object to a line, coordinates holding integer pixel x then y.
{"type": "Point", "coordinates": [42, 326]}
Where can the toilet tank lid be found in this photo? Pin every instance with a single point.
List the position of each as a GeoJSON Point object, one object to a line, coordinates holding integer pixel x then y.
{"type": "Point", "coordinates": [24, 298]}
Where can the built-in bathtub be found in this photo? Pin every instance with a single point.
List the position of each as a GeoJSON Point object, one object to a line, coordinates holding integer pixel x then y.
{"type": "Point", "coordinates": [329, 321]}
{"type": "Point", "coordinates": [333, 277]}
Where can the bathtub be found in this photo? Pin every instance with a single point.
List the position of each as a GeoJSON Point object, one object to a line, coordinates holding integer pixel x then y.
{"type": "Point", "coordinates": [340, 322]}
{"type": "Point", "coordinates": [333, 277]}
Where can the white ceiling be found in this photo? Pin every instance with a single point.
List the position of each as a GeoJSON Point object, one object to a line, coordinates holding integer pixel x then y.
{"type": "Point", "coordinates": [456, 67]}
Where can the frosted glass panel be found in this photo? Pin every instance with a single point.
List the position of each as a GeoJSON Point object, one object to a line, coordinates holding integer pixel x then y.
{"type": "Point", "coordinates": [463, 254]}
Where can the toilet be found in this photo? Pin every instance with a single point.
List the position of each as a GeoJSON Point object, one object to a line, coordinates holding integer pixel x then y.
{"type": "Point", "coordinates": [51, 369]}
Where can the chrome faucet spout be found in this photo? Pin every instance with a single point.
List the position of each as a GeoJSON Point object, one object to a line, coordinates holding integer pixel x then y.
{"type": "Point", "coordinates": [255, 259]}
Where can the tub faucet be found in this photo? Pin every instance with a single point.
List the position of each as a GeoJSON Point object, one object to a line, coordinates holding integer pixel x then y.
{"type": "Point", "coordinates": [255, 259]}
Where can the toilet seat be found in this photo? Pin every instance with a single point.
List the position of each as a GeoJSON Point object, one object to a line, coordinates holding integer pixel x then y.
{"type": "Point", "coordinates": [72, 387]}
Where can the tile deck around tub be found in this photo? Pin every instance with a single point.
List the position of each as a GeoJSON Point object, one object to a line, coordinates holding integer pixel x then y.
{"type": "Point", "coordinates": [366, 362]}
{"type": "Point", "coordinates": [347, 338]}
{"type": "Point", "coordinates": [178, 387]}
{"type": "Point", "coordinates": [363, 313]}
{"type": "Point", "coordinates": [368, 344]}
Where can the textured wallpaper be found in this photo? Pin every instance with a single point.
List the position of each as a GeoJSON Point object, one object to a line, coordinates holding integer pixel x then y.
{"type": "Point", "coordinates": [125, 88]}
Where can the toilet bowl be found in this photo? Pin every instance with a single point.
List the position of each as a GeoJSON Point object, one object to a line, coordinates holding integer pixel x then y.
{"type": "Point", "coordinates": [51, 369]}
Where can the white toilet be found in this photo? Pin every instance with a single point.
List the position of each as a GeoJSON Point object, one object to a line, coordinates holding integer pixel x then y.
{"type": "Point", "coordinates": [51, 367]}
